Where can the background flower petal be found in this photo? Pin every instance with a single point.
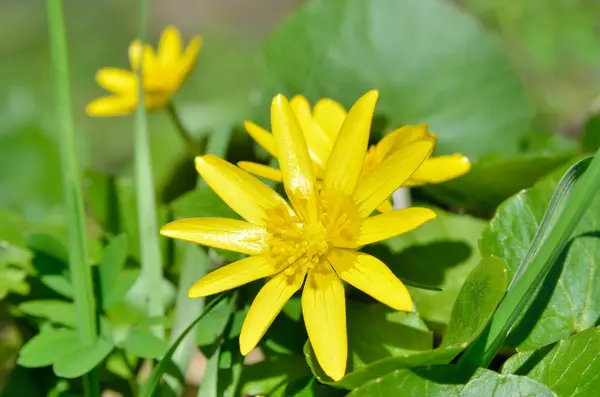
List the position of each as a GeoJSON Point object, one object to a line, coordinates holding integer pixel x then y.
{"type": "Point", "coordinates": [346, 160]}
{"type": "Point", "coordinates": [233, 275]}
{"type": "Point", "coordinates": [135, 53]}
{"type": "Point", "coordinates": [330, 115]}
{"type": "Point", "coordinates": [440, 169]}
{"type": "Point", "coordinates": [263, 137]}
{"type": "Point", "coordinates": [318, 142]}
{"type": "Point", "coordinates": [117, 80]}
{"type": "Point", "coordinates": [245, 194]}
{"type": "Point", "coordinates": [373, 277]}
{"type": "Point", "coordinates": [111, 106]}
{"type": "Point", "coordinates": [190, 55]}
{"type": "Point", "coordinates": [268, 303]}
{"type": "Point", "coordinates": [324, 311]}
{"type": "Point", "coordinates": [229, 234]}
{"type": "Point", "coordinates": [169, 47]}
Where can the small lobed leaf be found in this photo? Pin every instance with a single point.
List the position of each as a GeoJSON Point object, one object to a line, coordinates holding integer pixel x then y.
{"type": "Point", "coordinates": [119, 287]}
{"type": "Point", "coordinates": [569, 367]}
{"type": "Point", "coordinates": [144, 344]}
{"type": "Point", "coordinates": [82, 359]}
{"type": "Point", "coordinates": [61, 312]}
{"type": "Point", "coordinates": [450, 381]}
{"type": "Point", "coordinates": [59, 283]}
{"type": "Point", "coordinates": [111, 263]}
{"type": "Point", "coordinates": [44, 348]}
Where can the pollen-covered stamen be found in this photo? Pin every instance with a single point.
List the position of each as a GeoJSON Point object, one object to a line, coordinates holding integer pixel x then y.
{"type": "Point", "coordinates": [339, 217]}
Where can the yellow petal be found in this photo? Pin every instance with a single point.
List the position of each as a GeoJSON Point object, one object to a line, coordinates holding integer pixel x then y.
{"type": "Point", "coordinates": [111, 106]}
{"type": "Point", "coordinates": [384, 226]}
{"type": "Point", "coordinates": [169, 47]}
{"type": "Point", "coordinates": [330, 115]}
{"type": "Point", "coordinates": [135, 53]}
{"type": "Point", "coordinates": [385, 206]}
{"type": "Point", "coordinates": [245, 194]}
{"type": "Point", "coordinates": [229, 234]}
{"type": "Point", "coordinates": [324, 311]}
{"type": "Point", "coordinates": [233, 275]}
{"type": "Point", "coordinates": [373, 277]}
{"type": "Point", "coordinates": [190, 56]}
{"type": "Point", "coordinates": [117, 80]}
{"type": "Point", "coordinates": [294, 161]}
{"type": "Point", "coordinates": [268, 303]}
{"type": "Point", "coordinates": [440, 169]}
{"type": "Point", "coordinates": [408, 134]}
{"type": "Point", "coordinates": [390, 174]}
{"type": "Point", "coordinates": [318, 142]}
{"type": "Point", "coordinates": [346, 160]}
{"type": "Point", "coordinates": [261, 170]}
{"type": "Point", "coordinates": [263, 137]}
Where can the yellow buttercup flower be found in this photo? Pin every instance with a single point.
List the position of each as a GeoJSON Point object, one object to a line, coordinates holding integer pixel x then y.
{"type": "Point", "coordinates": [313, 240]}
{"type": "Point", "coordinates": [163, 74]}
{"type": "Point", "coordinates": [321, 127]}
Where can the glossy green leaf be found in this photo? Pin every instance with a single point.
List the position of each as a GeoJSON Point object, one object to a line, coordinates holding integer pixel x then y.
{"type": "Point", "coordinates": [450, 381]}
{"type": "Point", "coordinates": [568, 300]}
{"type": "Point", "coordinates": [476, 302]}
{"type": "Point", "coordinates": [441, 254]}
{"type": "Point", "coordinates": [407, 50]}
{"type": "Point", "coordinates": [492, 181]}
{"type": "Point", "coordinates": [60, 312]}
{"type": "Point", "coordinates": [570, 367]}
{"type": "Point", "coordinates": [266, 376]}
{"type": "Point", "coordinates": [82, 359]}
{"type": "Point", "coordinates": [145, 345]}
{"type": "Point", "coordinates": [213, 325]}
{"type": "Point", "coordinates": [44, 348]}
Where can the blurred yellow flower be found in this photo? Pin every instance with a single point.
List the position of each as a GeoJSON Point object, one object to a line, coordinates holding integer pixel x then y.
{"type": "Point", "coordinates": [163, 74]}
{"type": "Point", "coordinates": [314, 241]}
{"type": "Point", "coordinates": [321, 126]}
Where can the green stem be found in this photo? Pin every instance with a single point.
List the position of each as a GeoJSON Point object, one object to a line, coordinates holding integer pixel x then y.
{"type": "Point", "coordinates": [529, 277]}
{"type": "Point", "coordinates": [192, 145]}
{"type": "Point", "coordinates": [146, 203]}
{"type": "Point", "coordinates": [81, 275]}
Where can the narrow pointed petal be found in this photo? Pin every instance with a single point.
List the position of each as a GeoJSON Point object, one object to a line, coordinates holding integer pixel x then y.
{"type": "Point", "coordinates": [190, 55]}
{"type": "Point", "coordinates": [233, 275]}
{"type": "Point", "coordinates": [264, 171]}
{"type": "Point", "coordinates": [294, 161]}
{"type": "Point", "coordinates": [440, 169]}
{"type": "Point", "coordinates": [111, 106]}
{"type": "Point", "coordinates": [390, 175]}
{"type": "Point", "coordinates": [245, 194]}
{"type": "Point", "coordinates": [324, 311]}
{"type": "Point", "coordinates": [346, 160]}
{"type": "Point", "coordinates": [135, 53]}
{"type": "Point", "coordinates": [408, 134]}
{"type": "Point", "coordinates": [373, 277]}
{"type": "Point", "coordinates": [263, 137]}
{"type": "Point", "coordinates": [117, 80]}
{"type": "Point", "coordinates": [266, 306]}
{"type": "Point", "coordinates": [228, 234]}
{"type": "Point", "coordinates": [318, 142]}
{"type": "Point", "coordinates": [169, 47]}
{"type": "Point", "coordinates": [330, 115]}
{"type": "Point", "coordinates": [384, 226]}
{"type": "Point", "coordinates": [385, 206]}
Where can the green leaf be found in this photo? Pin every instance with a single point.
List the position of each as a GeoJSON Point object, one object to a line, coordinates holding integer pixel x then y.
{"type": "Point", "coordinates": [492, 181]}
{"type": "Point", "coordinates": [450, 381]}
{"type": "Point", "coordinates": [576, 360]}
{"type": "Point", "coordinates": [43, 349]}
{"type": "Point", "coordinates": [214, 323]}
{"type": "Point", "coordinates": [61, 312]}
{"type": "Point", "coordinates": [202, 202]}
{"type": "Point", "coordinates": [590, 139]}
{"type": "Point", "coordinates": [476, 302]}
{"type": "Point", "coordinates": [48, 245]}
{"type": "Point", "coordinates": [82, 359]}
{"type": "Point", "coordinates": [145, 345]}
{"type": "Point", "coordinates": [209, 386]}
{"type": "Point", "coordinates": [111, 263]}
{"type": "Point", "coordinates": [15, 266]}
{"type": "Point", "coordinates": [265, 376]}
{"type": "Point", "coordinates": [441, 254]}
{"type": "Point", "coordinates": [408, 50]}
{"type": "Point", "coordinates": [59, 283]}
{"type": "Point", "coordinates": [569, 299]}
{"type": "Point", "coordinates": [119, 287]}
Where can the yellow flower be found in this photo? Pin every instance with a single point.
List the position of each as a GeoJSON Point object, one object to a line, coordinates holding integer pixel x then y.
{"type": "Point", "coordinates": [316, 237]}
{"type": "Point", "coordinates": [321, 127]}
{"type": "Point", "coordinates": [163, 74]}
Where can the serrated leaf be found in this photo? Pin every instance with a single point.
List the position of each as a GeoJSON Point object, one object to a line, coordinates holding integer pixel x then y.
{"type": "Point", "coordinates": [61, 312]}
{"type": "Point", "coordinates": [407, 50]}
{"type": "Point", "coordinates": [43, 349]}
{"type": "Point", "coordinates": [570, 367]}
{"type": "Point", "coordinates": [450, 381]}
{"type": "Point", "coordinates": [144, 344]}
{"type": "Point", "coordinates": [82, 359]}
{"type": "Point", "coordinates": [440, 253]}
{"type": "Point", "coordinates": [476, 302]}
{"type": "Point", "coordinates": [112, 261]}
{"type": "Point", "coordinates": [568, 300]}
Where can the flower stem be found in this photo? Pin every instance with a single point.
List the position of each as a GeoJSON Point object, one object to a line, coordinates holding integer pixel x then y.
{"type": "Point", "coordinates": [81, 276]}
{"type": "Point", "coordinates": [150, 254]}
{"type": "Point", "coordinates": [193, 145]}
